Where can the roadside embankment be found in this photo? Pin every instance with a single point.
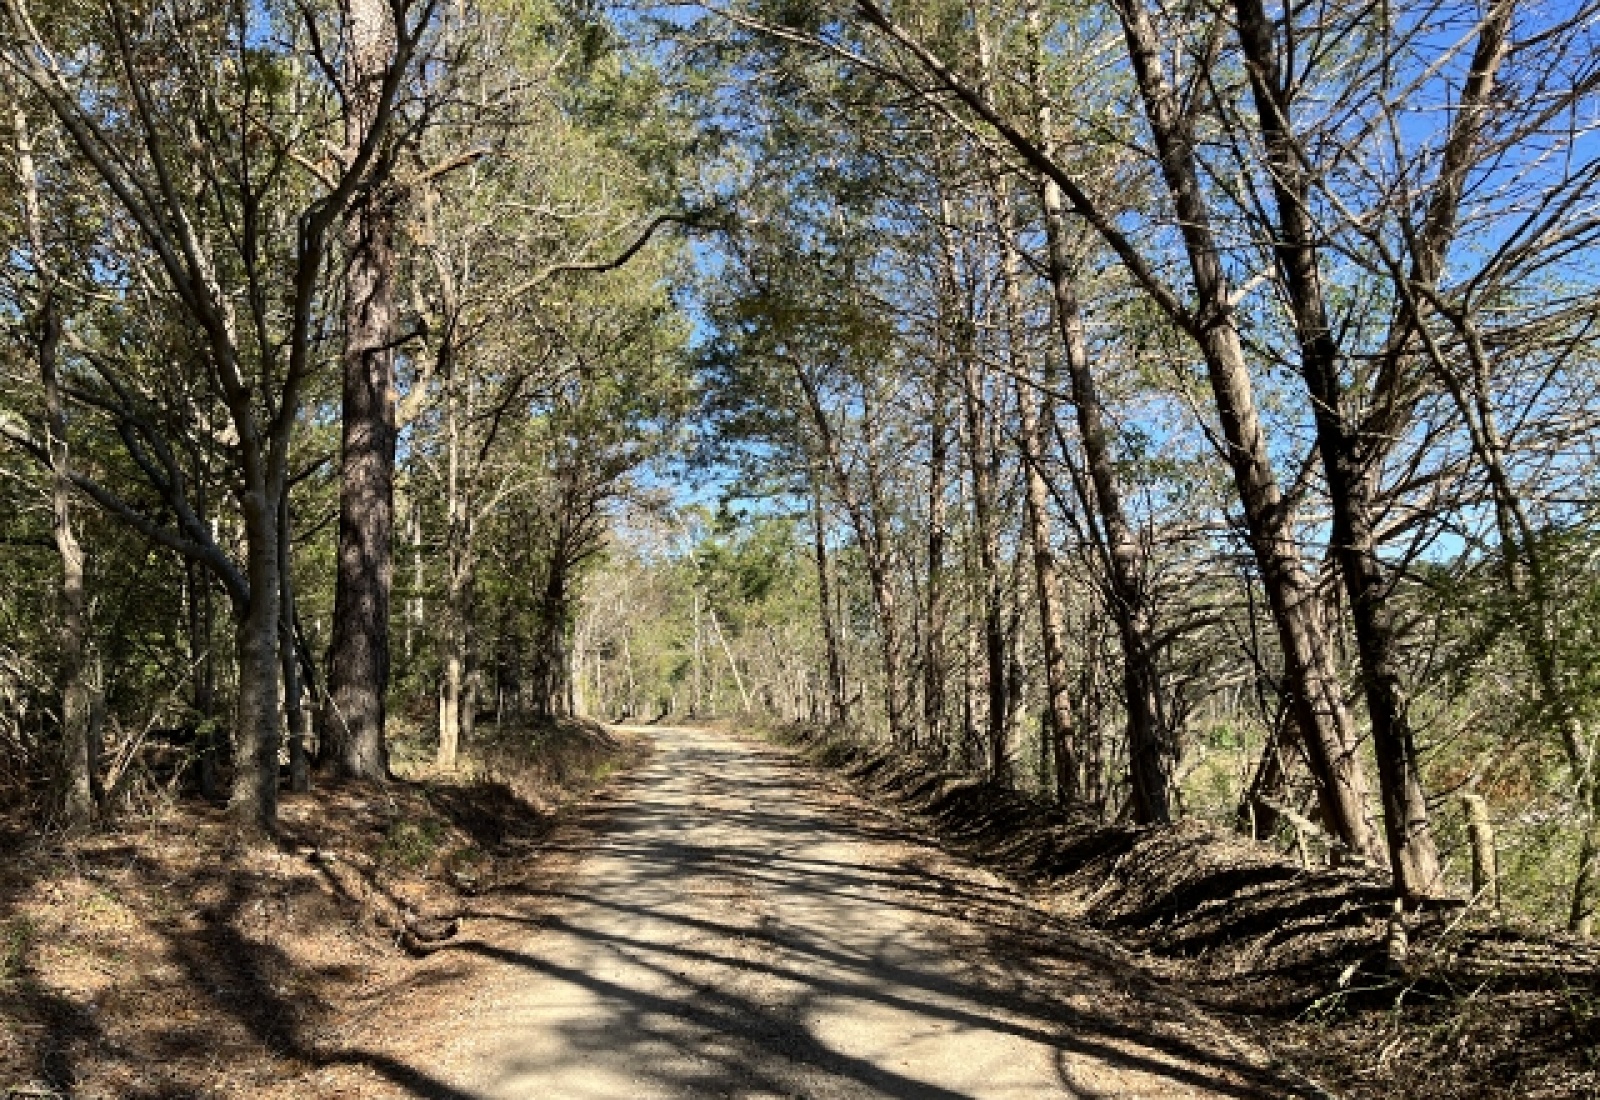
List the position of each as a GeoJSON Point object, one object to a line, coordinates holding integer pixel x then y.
{"type": "Point", "coordinates": [1303, 955]}
{"type": "Point", "coordinates": [164, 955]}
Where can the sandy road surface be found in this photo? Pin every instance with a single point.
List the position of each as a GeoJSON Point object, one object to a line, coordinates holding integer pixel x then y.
{"type": "Point", "coordinates": [731, 924]}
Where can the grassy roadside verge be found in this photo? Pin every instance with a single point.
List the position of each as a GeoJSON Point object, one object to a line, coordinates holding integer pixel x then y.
{"type": "Point", "coordinates": [162, 958]}
{"type": "Point", "coordinates": [1298, 956]}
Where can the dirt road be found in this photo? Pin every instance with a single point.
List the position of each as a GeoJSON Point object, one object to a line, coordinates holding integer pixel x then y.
{"type": "Point", "coordinates": [731, 924]}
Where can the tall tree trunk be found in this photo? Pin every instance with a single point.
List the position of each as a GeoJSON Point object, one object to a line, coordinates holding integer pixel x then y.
{"type": "Point", "coordinates": [1311, 678]}
{"type": "Point", "coordinates": [934, 667]}
{"type": "Point", "coordinates": [74, 780]}
{"type": "Point", "coordinates": [1036, 517]}
{"type": "Point", "coordinates": [952, 324]}
{"type": "Point", "coordinates": [985, 463]}
{"type": "Point", "coordinates": [981, 470]}
{"type": "Point", "coordinates": [75, 777]}
{"type": "Point", "coordinates": [1052, 628]}
{"type": "Point", "coordinates": [452, 698]}
{"type": "Point", "coordinates": [837, 710]}
{"type": "Point", "coordinates": [358, 674]}
{"type": "Point", "coordinates": [1351, 482]}
{"type": "Point", "coordinates": [297, 716]}
{"type": "Point", "coordinates": [253, 799]}
{"type": "Point", "coordinates": [972, 683]}
{"type": "Point", "coordinates": [1150, 753]}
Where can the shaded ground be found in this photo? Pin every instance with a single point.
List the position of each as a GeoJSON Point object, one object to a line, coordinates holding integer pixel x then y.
{"type": "Point", "coordinates": [1295, 955]}
{"type": "Point", "coordinates": [731, 927]}
{"type": "Point", "coordinates": [166, 959]}
{"type": "Point", "coordinates": [721, 922]}
{"type": "Point", "coordinates": [725, 921]}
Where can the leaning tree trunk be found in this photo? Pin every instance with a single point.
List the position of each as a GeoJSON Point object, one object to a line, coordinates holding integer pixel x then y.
{"type": "Point", "coordinates": [1310, 676]}
{"type": "Point", "coordinates": [1350, 475]}
{"type": "Point", "coordinates": [1148, 746]}
{"type": "Point", "coordinates": [358, 674]}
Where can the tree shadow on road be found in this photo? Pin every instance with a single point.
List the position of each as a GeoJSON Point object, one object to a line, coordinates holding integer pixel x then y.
{"type": "Point", "coordinates": [719, 997]}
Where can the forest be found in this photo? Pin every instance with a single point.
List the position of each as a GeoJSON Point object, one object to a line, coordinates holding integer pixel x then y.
{"type": "Point", "coordinates": [1158, 411]}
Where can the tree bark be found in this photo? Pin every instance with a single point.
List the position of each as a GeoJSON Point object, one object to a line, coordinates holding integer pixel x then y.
{"type": "Point", "coordinates": [257, 727]}
{"type": "Point", "coordinates": [74, 780]}
{"type": "Point", "coordinates": [1485, 862]}
{"type": "Point", "coordinates": [837, 711]}
{"type": "Point", "coordinates": [934, 667]}
{"type": "Point", "coordinates": [1310, 677]}
{"type": "Point", "coordinates": [1052, 628]}
{"type": "Point", "coordinates": [298, 718]}
{"type": "Point", "coordinates": [358, 674]}
{"type": "Point", "coordinates": [1150, 753]}
{"type": "Point", "coordinates": [451, 695]}
{"type": "Point", "coordinates": [458, 566]}
{"type": "Point", "coordinates": [1351, 481]}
